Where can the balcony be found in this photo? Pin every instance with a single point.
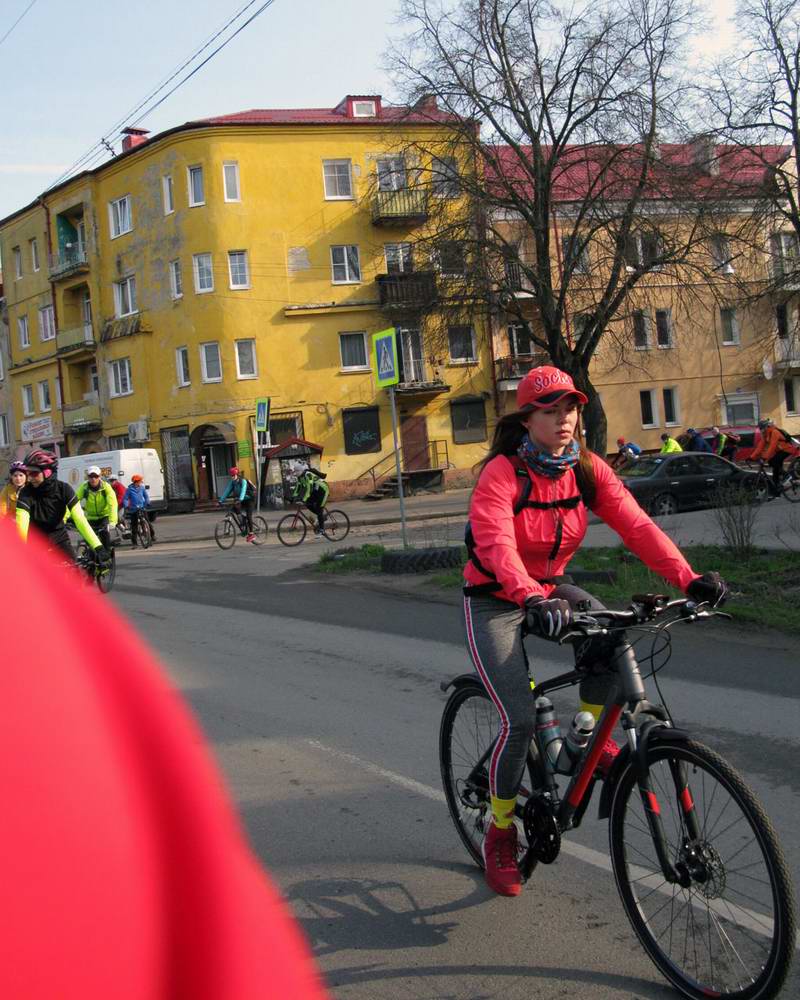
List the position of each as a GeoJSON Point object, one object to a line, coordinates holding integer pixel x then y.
{"type": "Point", "coordinates": [76, 339]}
{"type": "Point", "coordinates": [416, 380]}
{"type": "Point", "coordinates": [517, 281]}
{"type": "Point", "coordinates": [414, 290]}
{"type": "Point", "coordinates": [407, 205]}
{"type": "Point", "coordinates": [510, 370]}
{"type": "Point", "coordinates": [68, 261]}
{"type": "Point", "coordinates": [83, 416]}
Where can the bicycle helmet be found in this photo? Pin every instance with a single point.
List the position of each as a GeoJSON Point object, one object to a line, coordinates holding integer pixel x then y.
{"type": "Point", "coordinates": [16, 467]}
{"type": "Point", "coordinates": [764, 422]}
{"type": "Point", "coordinates": [233, 472]}
{"type": "Point", "coordinates": [715, 430]}
{"type": "Point", "coordinates": [43, 461]}
{"type": "Point", "coordinates": [690, 430]}
{"type": "Point", "coordinates": [620, 441]}
{"type": "Point", "coordinates": [136, 478]}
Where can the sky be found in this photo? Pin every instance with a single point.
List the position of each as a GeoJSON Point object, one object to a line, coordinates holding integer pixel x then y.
{"type": "Point", "coordinates": [70, 71]}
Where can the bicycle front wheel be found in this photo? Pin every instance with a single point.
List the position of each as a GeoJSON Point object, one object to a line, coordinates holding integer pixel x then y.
{"type": "Point", "coordinates": [291, 529]}
{"type": "Point", "coordinates": [145, 535]}
{"type": "Point", "coordinates": [105, 579]}
{"type": "Point", "coordinates": [260, 529]}
{"type": "Point", "coordinates": [337, 525]}
{"type": "Point", "coordinates": [225, 533]}
{"type": "Point", "coordinates": [729, 929]}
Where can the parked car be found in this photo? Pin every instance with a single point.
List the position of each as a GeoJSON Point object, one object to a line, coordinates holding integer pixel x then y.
{"type": "Point", "coordinates": [750, 436]}
{"type": "Point", "coordinates": [666, 484]}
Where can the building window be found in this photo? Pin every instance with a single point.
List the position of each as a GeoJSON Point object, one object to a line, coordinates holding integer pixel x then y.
{"type": "Point", "coordinates": [784, 254]}
{"type": "Point", "coordinates": [353, 351]}
{"type": "Point", "coordinates": [782, 321]}
{"type": "Point", "coordinates": [94, 379]}
{"type": "Point", "coordinates": [462, 344]}
{"type": "Point", "coordinates": [520, 340]}
{"type": "Point", "coordinates": [399, 258]}
{"type": "Point", "coordinates": [721, 253]}
{"type": "Point", "coordinates": [120, 442]}
{"type": "Point", "coordinates": [363, 109]}
{"type": "Point", "coordinates": [125, 296]}
{"type": "Point", "coordinates": [34, 245]}
{"type": "Point", "coordinates": [642, 250]}
{"type": "Point", "coordinates": [203, 273]}
{"type": "Point", "coordinates": [47, 324]}
{"type": "Point", "coordinates": [3, 431]}
{"type": "Point", "coordinates": [57, 387]}
{"type": "Point", "coordinates": [445, 177]}
{"type": "Point", "coordinates": [44, 396]}
{"type": "Point", "coordinates": [120, 382]}
{"type": "Point", "coordinates": [576, 257]}
{"type": "Point", "coordinates": [197, 194]}
{"type": "Point", "coordinates": [17, 262]}
{"type": "Point", "coordinates": [649, 408]}
{"type": "Point", "coordinates": [210, 362]}
{"type": "Point", "coordinates": [337, 178]}
{"type": "Point", "coordinates": [672, 415]}
{"type": "Point", "coordinates": [230, 181]}
{"type": "Point", "coordinates": [27, 400]}
{"type": "Point", "coordinates": [285, 426]}
{"type": "Point", "coordinates": [175, 279]}
{"type": "Point", "coordinates": [790, 395]}
{"type": "Point", "coordinates": [741, 409]}
{"type": "Point", "coordinates": [182, 366]}
{"type": "Point", "coordinates": [119, 214]}
{"type": "Point", "coordinates": [641, 330]}
{"type": "Point", "coordinates": [391, 173]}
{"type": "Point", "coordinates": [238, 270]}
{"type": "Point", "coordinates": [345, 265]}
{"type": "Point", "coordinates": [664, 327]}
{"type": "Point", "coordinates": [451, 257]}
{"type": "Point", "coordinates": [168, 194]}
{"type": "Point", "coordinates": [246, 365]}
{"type": "Point", "coordinates": [468, 416]}
{"type": "Point", "coordinates": [23, 331]}
{"type": "Point", "coordinates": [362, 430]}
{"type": "Point", "coordinates": [730, 326]}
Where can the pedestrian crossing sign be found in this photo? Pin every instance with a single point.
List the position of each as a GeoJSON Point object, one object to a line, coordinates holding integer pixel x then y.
{"type": "Point", "coordinates": [384, 357]}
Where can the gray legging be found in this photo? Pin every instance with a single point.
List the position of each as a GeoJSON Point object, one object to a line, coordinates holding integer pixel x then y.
{"type": "Point", "coordinates": [494, 640]}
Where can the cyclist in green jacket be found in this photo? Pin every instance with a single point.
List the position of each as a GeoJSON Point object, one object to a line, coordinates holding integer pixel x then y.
{"type": "Point", "coordinates": [312, 490]}
{"type": "Point", "coordinates": [100, 503]}
{"type": "Point", "coordinates": [669, 445]}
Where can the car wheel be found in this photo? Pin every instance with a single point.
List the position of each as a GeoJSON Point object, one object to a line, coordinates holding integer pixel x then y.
{"type": "Point", "coordinates": [664, 504]}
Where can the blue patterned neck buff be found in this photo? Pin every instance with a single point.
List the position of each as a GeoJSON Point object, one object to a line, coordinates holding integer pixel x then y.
{"type": "Point", "coordinates": [544, 463]}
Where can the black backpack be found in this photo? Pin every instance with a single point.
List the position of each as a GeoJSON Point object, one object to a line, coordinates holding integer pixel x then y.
{"type": "Point", "coordinates": [786, 435]}
{"type": "Point", "coordinates": [586, 495]}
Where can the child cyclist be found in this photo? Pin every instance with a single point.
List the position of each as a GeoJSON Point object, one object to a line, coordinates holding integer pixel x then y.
{"type": "Point", "coordinates": [527, 518]}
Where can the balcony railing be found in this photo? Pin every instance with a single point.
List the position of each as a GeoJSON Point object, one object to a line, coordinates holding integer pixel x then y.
{"type": "Point", "coordinates": [75, 339]}
{"type": "Point", "coordinates": [412, 290]}
{"type": "Point", "coordinates": [515, 366]}
{"type": "Point", "coordinates": [82, 416]}
{"type": "Point", "coordinates": [516, 279]}
{"type": "Point", "coordinates": [405, 205]}
{"type": "Point", "coordinates": [69, 260]}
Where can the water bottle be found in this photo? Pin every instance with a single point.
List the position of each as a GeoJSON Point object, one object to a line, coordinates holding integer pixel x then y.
{"type": "Point", "coordinates": [548, 732]}
{"type": "Point", "coordinates": [575, 743]}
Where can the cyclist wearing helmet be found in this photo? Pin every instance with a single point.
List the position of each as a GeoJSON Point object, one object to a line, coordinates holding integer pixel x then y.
{"type": "Point", "coordinates": [244, 495]}
{"type": "Point", "coordinates": [136, 500]}
{"type": "Point", "coordinates": [312, 490]}
{"type": "Point", "coordinates": [527, 518]}
{"type": "Point", "coordinates": [100, 502]}
{"type": "Point", "coordinates": [46, 502]}
{"type": "Point", "coordinates": [626, 451]}
{"type": "Point", "coordinates": [9, 493]}
{"type": "Point", "coordinates": [696, 441]}
{"type": "Point", "coordinates": [772, 449]}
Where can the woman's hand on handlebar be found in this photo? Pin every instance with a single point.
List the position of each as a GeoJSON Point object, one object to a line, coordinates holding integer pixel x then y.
{"type": "Point", "coordinates": [709, 588]}
{"type": "Point", "coordinates": [547, 617]}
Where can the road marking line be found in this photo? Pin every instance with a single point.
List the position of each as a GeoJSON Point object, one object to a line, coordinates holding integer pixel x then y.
{"type": "Point", "coordinates": [745, 917]}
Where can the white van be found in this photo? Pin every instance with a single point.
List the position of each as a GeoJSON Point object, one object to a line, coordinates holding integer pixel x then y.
{"type": "Point", "coordinates": [122, 464]}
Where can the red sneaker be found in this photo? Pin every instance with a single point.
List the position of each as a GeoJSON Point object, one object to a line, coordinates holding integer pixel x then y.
{"type": "Point", "coordinates": [607, 758]}
{"type": "Point", "coordinates": [500, 859]}
{"type": "Point", "coordinates": [251, 538]}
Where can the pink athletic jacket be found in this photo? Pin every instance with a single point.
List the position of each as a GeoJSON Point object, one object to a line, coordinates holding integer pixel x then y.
{"type": "Point", "coordinates": [517, 549]}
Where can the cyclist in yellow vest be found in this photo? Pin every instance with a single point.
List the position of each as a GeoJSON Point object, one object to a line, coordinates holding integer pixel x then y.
{"type": "Point", "coordinates": [99, 501]}
{"type": "Point", "coordinates": [669, 445]}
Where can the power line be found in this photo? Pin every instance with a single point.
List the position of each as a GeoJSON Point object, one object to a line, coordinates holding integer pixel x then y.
{"type": "Point", "coordinates": [97, 151]}
{"type": "Point", "coordinates": [5, 36]}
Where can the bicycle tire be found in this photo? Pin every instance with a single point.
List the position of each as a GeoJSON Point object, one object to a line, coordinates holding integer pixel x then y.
{"type": "Point", "coordinates": [144, 534]}
{"type": "Point", "coordinates": [105, 581]}
{"type": "Point", "coordinates": [469, 805]}
{"type": "Point", "coordinates": [727, 925]}
{"type": "Point", "coordinates": [337, 526]}
{"type": "Point", "coordinates": [292, 529]}
{"type": "Point", "coordinates": [761, 488]}
{"type": "Point", "coordinates": [225, 533]}
{"type": "Point", "coordinates": [260, 529]}
{"type": "Point", "coordinates": [791, 488]}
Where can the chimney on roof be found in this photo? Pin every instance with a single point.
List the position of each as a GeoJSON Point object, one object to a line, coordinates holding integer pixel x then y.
{"type": "Point", "coordinates": [133, 137]}
{"type": "Point", "coordinates": [426, 103]}
{"type": "Point", "coordinates": [704, 154]}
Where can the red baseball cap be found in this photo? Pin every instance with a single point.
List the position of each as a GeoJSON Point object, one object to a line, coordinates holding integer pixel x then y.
{"type": "Point", "coordinates": [544, 386]}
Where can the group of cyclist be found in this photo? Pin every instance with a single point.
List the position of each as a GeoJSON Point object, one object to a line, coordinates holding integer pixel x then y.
{"type": "Point", "coordinates": [309, 488]}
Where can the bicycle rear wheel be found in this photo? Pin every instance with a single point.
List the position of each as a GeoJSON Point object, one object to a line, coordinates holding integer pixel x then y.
{"type": "Point", "coordinates": [337, 525]}
{"type": "Point", "coordinates": [260, 529]}
{"type": "Point", "coordinates": [292, 529]}
{"type": "Point", "coordinates": [105, 579]}
{"type": "Point", "coordinates": [144, 533]}
{"type": "Point", "coordinates": [791, 487]}
{"type": "Point", "coordinates": [730, 932]}
{"type": "Point", "coordinates": [225, 533]}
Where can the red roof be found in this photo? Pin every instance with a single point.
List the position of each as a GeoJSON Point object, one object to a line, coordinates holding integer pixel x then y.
{"type": "Point", "coordinates": [611, 171]}
{"type": "Point", "coordinates": [421, 113]}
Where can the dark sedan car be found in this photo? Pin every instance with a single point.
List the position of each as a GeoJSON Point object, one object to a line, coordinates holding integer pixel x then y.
{"type": "Point", "coordinates": [665, 484]}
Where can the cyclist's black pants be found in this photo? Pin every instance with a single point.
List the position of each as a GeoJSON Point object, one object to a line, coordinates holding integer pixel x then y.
{"type": "Point", "coordinates": [247, 513]}
{"type": "Point", "coordinates": [776, 464]}
{"type": "Point", "coordinates": [58, 541]}
{"type": "Point", "coordinates": [133, 518]}
{"type": "Point", "coordinates": [100, 528]}
{"type": "Point", "coordinates": [494, 641]}
{"type": "Point", "coordinates": [317, 508]}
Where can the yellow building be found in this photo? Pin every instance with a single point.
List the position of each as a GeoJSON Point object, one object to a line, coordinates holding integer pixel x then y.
{"type": "Point", "coordinates": [249, 256]}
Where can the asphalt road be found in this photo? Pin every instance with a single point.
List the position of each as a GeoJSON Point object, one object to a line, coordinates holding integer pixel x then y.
{"type": "Point", "coordinates": [322, 704]}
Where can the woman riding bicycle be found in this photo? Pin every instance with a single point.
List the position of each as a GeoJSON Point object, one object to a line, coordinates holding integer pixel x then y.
{"type": "Point", "coordinates": [527, 518]}
{"type": "Point", "coordinates": [10, 492]}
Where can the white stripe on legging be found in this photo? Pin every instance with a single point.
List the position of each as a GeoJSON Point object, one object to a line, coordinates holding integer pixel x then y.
{"type": "Point", "coordinates": [505, 725]}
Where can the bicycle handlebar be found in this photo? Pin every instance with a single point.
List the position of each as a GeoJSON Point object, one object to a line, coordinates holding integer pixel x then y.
{"type": "Point", "coordinates": [644, 608]}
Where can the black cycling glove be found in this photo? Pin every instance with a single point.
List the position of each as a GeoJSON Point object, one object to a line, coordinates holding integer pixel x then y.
{"type": "Point", "coordinates": [102, 555]}
{"type": "Point", "coordinates": [709, 588]}
{"type": "Point", "coordinates": [547, 617]}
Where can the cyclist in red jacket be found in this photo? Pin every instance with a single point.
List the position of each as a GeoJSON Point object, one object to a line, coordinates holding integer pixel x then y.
{"type": "Point", "coordinates": [527, 518]}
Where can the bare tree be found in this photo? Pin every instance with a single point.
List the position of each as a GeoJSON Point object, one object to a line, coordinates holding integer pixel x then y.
{"type": "Point", "coordinates": [559, 114]}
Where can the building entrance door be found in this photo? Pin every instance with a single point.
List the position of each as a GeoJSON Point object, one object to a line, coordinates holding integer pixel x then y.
{"type": "Point", "coordinates": [414, 441]}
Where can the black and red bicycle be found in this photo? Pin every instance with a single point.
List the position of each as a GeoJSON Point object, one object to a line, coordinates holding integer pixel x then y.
{"type": "Point", "coordinates": [696, 861]}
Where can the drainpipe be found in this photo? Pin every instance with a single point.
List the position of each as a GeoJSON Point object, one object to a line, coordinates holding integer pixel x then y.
{"type": "Point", "coordinates": [59, 362]}
{"type": "Point", "coordinates": [560, 261]}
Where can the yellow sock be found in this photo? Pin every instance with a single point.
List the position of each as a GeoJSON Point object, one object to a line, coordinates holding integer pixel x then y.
{"type": "Point", "coordinates": [594, 709]}
{"type": "Point", "coordinates": [503, 812]}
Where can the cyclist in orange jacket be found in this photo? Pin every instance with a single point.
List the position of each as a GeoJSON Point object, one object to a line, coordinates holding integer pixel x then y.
{"type": "Point", "coordinates": [772, 449]}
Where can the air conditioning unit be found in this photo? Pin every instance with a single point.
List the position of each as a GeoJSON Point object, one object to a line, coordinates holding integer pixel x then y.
{"type": "Point", "coordinates": [139, 431]}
